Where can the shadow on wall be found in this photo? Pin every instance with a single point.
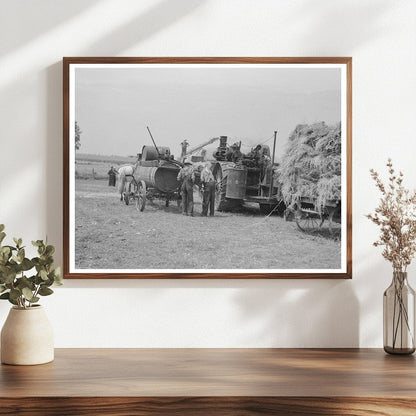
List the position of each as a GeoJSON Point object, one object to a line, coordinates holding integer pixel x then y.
{"type": "Point", "coordinates": [37, 17]}
{"type": "Point", "coordinates": [54, 146]}
{"type": "Point", "coordinates": [153, 20]}
{"type": "Point", "coordinates": [301, 313]}
{"type": "Point", "coordinates": [141, 27]}
{"type": "Point", "coordinates": [375, 276]}
{"type": "Point", "coordinates": [309, 313]}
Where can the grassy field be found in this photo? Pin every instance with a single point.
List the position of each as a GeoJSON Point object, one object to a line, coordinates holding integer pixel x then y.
{"type": "Point", "coordinates": [112, 235]}
{"type": "Point", "coordinates": [88, 166]}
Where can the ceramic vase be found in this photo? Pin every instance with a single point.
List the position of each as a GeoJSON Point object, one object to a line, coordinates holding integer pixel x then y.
{"type": "Point", "coordinates": [27, 337]}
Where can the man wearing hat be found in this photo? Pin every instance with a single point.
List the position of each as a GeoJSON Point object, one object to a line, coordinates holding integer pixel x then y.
{"type": "Point", "coordinates": [187, 176]}
{"type": "Point", "coordinates": [208, 186]}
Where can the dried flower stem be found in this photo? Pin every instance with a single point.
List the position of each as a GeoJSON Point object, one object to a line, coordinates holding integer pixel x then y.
{"type": "Point", "coordinates": [396, 217]}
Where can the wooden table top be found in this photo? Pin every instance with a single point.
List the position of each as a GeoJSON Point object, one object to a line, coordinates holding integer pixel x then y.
{"type": "Point", "coordinates": [214, 372]}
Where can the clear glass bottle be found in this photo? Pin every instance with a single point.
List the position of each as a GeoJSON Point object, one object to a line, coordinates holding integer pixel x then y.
{"type": "Point", "coordinates": [399, 316]}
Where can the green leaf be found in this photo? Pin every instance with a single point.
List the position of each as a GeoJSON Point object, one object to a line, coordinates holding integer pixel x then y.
{"type": "Point", "coordinates": [27, 293]}
{"type": "Point", "coordinates": [17, 241]}
{"type": "Point", "coordinates": [9, 277]}
{"type": "Point", "coordinates": [2, 227]}
{"type": "Point", "coordinates": [26, 264]}
{"type": "Point", "coordinates": [15, 294]}
{"type": "Point", "coordinates": [58, 280]}
{"type": "Point", "coordinates": [24, 282]}
{"type": "Point", "coordinates": [37, 243]}
{"type": "Point", "coordinates": [4, 255]}
{"type": "Point", "coordinates": [2, 236]}
{"type": "Point", "coordinates": [37, 280]}
{"type": "Point", "coordinates": [47, 260]}
{"type": "Point", "coordinates": [21, 255]}
{"type": "Point", "coordinates": [56, 272]}
{"type": "Point", "coordinates": [43, 274]}
{"type": "Point", "coordinates": [45, 291]}
{"type": "Point", "coordinates": [49, 282]}
{"type": "Point", "coordinates": [2, 288]}
{"type": "Point", "coordinates": [13, 302]}
{"type": "Point", "coordinates": [7, 296]}
{"type": "Point", "coordinates": [5, 250]}
{"type": "Point", "coordinates": [49, 250]}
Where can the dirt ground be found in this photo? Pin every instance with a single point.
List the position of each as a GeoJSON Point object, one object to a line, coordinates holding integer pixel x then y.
{"type": "Point", "coordinates": [112, 235]}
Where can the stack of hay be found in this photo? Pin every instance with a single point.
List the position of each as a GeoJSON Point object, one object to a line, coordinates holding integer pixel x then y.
{"type": "Point", "coordinates": [311, 166]}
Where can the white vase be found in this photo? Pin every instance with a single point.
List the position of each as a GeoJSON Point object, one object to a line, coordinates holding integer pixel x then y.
{"type": "Point", "coordinates": [27, 337]}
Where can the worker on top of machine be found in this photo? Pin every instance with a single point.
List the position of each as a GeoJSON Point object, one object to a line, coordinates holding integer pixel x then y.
{"type": "Point", "coordinates": [187, 176]}
{"type": "Point", "coordinates": [234, 153]}
{"type": "Point", "coordinates": [255, 154]}
{"type": "Point", "coordinates": [208, 185]}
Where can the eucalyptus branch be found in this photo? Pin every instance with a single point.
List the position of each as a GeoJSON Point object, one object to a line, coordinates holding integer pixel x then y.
{"type": "Point", "coordinates": [16, 284]}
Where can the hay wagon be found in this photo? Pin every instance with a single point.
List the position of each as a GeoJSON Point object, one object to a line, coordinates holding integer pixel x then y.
{"type": "Point", "coordinates": [310, 215]}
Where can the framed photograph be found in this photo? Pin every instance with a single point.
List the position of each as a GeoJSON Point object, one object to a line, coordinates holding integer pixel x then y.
{"type": "Point", "coordinates": [207, 168]}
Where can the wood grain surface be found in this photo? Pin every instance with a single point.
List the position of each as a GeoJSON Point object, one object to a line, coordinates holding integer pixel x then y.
{"type": "Point", "coordinates": [207, 406]}
{"type": "Point", "coordinates": [212, 381]}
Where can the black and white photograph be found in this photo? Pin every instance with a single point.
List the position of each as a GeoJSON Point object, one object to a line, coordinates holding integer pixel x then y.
{"type": "Point", "coordinates": [211, 168]}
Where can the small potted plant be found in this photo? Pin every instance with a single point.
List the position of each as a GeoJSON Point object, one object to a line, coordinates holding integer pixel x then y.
{"type": "Point", "coordinates": [396, 217]}
{"type": "Point", "coordinates": [27, 336]}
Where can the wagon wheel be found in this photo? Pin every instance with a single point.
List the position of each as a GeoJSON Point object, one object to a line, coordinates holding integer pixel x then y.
{"type": "Point", "coordinates": [141, 196]}
{"type": "Point", "coordinates": [308, 221]}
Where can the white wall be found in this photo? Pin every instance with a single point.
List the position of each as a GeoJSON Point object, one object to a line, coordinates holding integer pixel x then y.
{"type": "Point", "coordinates": [380, 35]}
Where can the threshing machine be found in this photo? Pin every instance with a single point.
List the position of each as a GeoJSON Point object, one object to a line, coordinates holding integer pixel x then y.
{"type": "Point", "coordinates": [246, 178]}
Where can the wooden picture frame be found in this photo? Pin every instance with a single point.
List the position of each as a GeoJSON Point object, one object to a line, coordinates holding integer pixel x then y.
{"type": "Point", "coordinates": [111, 107]}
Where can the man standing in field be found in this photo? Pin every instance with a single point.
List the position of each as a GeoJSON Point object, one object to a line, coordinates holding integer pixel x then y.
{"type": "Point", "coordinates": [112, 176]}
{"type": "Point", "coordinates": [187, 176]}
{"type": "Point", "coordinates": [208, 187]}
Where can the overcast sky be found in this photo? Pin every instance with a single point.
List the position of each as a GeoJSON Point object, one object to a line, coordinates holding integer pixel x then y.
{"type": "Point", "coordinates": [113, 106]}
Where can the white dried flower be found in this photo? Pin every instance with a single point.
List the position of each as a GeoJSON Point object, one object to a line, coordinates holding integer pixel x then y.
{"type": "Point", "coordinates": [396, 217]}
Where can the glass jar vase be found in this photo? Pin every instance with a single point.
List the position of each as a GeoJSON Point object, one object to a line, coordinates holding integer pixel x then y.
{"type": "Point", "coordinates": [399, 316]}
